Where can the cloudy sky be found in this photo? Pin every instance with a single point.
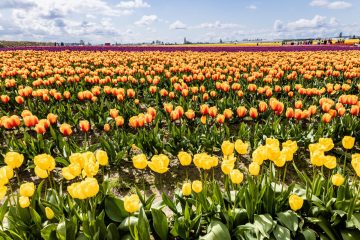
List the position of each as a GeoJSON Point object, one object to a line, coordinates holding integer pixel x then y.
{"type": "Point", "coordinates": [126, 21]}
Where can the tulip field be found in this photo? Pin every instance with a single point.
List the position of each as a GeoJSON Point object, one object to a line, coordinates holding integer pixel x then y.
{"type": "Point", "coordinates": [180, 143]}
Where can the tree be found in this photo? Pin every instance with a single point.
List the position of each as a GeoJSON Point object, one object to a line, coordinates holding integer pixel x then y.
{"type": "Point", "coordinates": [340, 35]}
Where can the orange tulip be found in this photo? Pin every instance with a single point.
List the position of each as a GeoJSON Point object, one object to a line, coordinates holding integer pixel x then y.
{"type": "Point", "coordinates": [84, 125]}
{"type": "Point", "coordinates": [40, 128]}
{"type": "Point", "coordinates": [241, 111]}
{"type": "Point", "coordinates": [106, 127]}
{"type": "Point", "coordinates": [65, 129]}
{"type": "Point", "coordinates": [253, 113]}
{"type": "Point", "coordinates": [52, 118]}
{"type": "Point", "coordinates": [119, 121]}
{"type": "Point", "coordinates": [326, 118]}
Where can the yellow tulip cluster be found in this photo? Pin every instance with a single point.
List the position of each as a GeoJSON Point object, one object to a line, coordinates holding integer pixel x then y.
{"type": "Point", "coordinates": [44, 164]}
{"type": "Point", "coordinates": [13, 160]}
{"type": "Point", "coordinates": [317, 153]}
{"type": "Point", "coordinates": [27, 190]}
{"type": "Point", "coordinates": [85, 189]}
{"type": "Point", "coordinates": [229, 159]}
{"type": "Point", "coordinates": [159, 163]}
{"type": "Point", "coordinates": [85, 164]}
{"type": "Point", "coordinates": [271, 151]}
{"type": "Point", "coordinates": [205, 161]}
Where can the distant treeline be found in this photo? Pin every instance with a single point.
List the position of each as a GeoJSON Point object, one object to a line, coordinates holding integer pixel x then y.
{"type": "Point", "coordinates": [24, 43]}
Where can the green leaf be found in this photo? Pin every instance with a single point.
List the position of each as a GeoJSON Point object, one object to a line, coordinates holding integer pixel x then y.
{"type": "Point", "coordinates": [169, 203]}
{"type": "Point", "coordinates": [48, 232]}
{"type": "Point", "coordinates": [114, 209]}
{"type": "Point", "coordinates": [350, 234]}
{"type": "Point", "coordinates": [3, 209]}
{"type": "Point", "coordinates": [160, 223]}
{"type": "Point", "coordinates": [35, 217]}
{"type": "Point", "coordinates": [281, 233]}
{"type": "Point", "coordinates": [289, 219]}
{"type": "Point", "coordinates": [354, 221]}
{"type": "Point", "coordinates": [308, 234]}
{"type": "Point", "coordinates": [143, 226]}
{"type": "Point", "coordinates": [264, 223]}
{"type": "Point", "coordinates": [217, 230]}
{"type": "Point", "coordinates": [130, 221]}
{"type": "Point", "coordinates": [61, 230]}
{"type": "Point", "coordinates": [112, 232]}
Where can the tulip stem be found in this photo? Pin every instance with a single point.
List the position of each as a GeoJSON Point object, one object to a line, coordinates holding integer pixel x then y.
{"type": "Point", "coordinates": [17, 176]}
{"type": "Point", "coordinates": [344, 167]}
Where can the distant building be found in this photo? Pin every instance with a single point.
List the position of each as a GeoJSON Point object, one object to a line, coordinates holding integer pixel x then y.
{"type": "Point", "coordinates": [107, 44]}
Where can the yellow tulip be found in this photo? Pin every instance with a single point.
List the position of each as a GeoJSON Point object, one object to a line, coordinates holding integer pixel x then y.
{"type": "Point", "coordinates": [24, 202]}
{"type": "Point", "coordinates": [40, 172]}
{"type": "Point", "coordinates": [259, 155]}
{"type": "Point", "coordinates": [236, 176]}
{"type": "Point", "coordinates": [355, 163]}
{"type": "Point", "coordinates": [88, 157]}
{"type": "Point", "coordinates": [272, 142]}
{"type": "Point", "coordinates": [90, 187]}
{"type": "Point", "coordinates": [313, 147]}
{"type": "Point", "coordinates": [227, 148]}
{"type": "Point", "coordinates": [326, 143]}
{"type": "Point", "coordinates": [76, 191]}
{"type": "Point", "coordinates": [184, 158]}
{"type": "Point", "coordinates": [102, 157]}
{"type": "Point", "coordinates": [281, 160]}
{"type": "Point", "coordinates": [290, 146]}
{"type": "Point", "coordinates": [254, 169]}
{"type": "Point", "coordinates": [27, 189]}
{"type": "Point", "coordinates": [91, 167]}
{"type": "Point", "coordinates": [295, 202]}
{"type": "Point", "coordinates": [49, 213]}
{"type": "Point", "coordinates": [317, 158]}
{"type": "Point", "coordinates": [241, 147]}
{"type": "Point", "coordinates": [159, 163]}
{"type": "Point", "coordinates": [186, 189]}
{"type": "Point", "coordinates": [226, 167]}
{"type": "Point", "coordinates": [132, 203]}
{"type": "Point", "coordinates": [45, 162]}
{"type": "Point", "coordinates": [337, 179]}
{"type": "Point", "coordinates": [75, 169]}
{"type": "Point", "coordinates": [66, 173]}
{"type": "Point", "coordinates": [7, 172]}
{"type": "Point", "coordinates": [196, 186]}
{"type": "Point", "coordinates": [330, 162]}
{"type": "Point", "coordinates": [139, 161]}
{"type": "Point", "coordinates": [273, 152]}
{"type": "Point", "coordinates": [348, 142]}
{"type": "Point", "coordinates": [3, 190]}
{"type": "Point", "coordinates": [77, 158]}
{"type": "Point", "coordinates": [14, 159]}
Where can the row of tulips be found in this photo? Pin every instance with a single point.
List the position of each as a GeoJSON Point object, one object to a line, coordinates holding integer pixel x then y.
{"type": "Point", "coordinates": [75, 199]}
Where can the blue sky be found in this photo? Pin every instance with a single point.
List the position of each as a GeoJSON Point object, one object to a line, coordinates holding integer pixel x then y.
{"type": "Point", "coordinates": [126, 21]}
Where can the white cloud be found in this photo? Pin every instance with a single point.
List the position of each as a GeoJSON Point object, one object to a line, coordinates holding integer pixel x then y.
{"type": "Point", "coordinates": [330, 5]}
{"type": "Point", "coordinates": [216, 24]}
{"type": "Point", "coordinates": [315, 22]}
{"type": "Point", "coordinates": [133, 4]}
{"type": "Point", "coordinates": [1, 28]}
{"type": "Point", "coordinates": [339, 5]}
{"type": "Point", "coordinates": [146, 20]}
{"type": "Point", "coordinates": [252, 7]}
{"type": "Point", "coordinates": [177, 25]}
